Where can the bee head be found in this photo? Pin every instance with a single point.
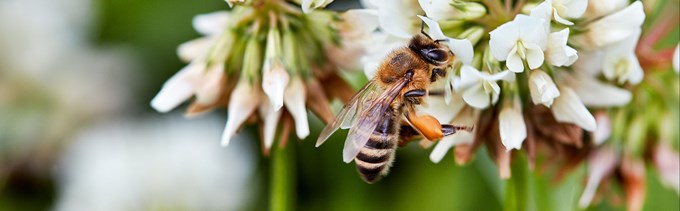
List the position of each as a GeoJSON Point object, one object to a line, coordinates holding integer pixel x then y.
{"type": "Point", "coordinates": [430, 50]}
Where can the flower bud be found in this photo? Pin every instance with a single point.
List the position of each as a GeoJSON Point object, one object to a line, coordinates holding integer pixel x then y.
{"type": "Point", "coordinates": [474, 34]}
{"type": "Point", "coordinates": [274, 75]}
{"type": "Point", "coordinates": [542, 88]}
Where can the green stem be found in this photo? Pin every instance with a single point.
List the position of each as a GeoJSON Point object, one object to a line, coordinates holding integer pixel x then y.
{"type": "Point", "coordinates": [283, 179]}
{"type": "Point", "coordinates": [516, 188]}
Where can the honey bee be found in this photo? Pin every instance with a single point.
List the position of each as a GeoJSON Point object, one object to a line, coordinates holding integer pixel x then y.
{"type": "Point", "coordinates": [382, 115]}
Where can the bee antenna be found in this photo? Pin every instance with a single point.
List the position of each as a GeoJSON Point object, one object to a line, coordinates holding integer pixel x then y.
{"type": "Point", "coordinates": [422, 29]}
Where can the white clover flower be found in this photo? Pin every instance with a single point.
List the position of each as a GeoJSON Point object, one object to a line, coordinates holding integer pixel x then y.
{"type": "Point", "coordinates": [558, 53]}
{"type": "Point", "coordinates": [612, 28]}
{"type": "Point", "coordinates": [244, 100]}
{"type": "Point", "coordinates": [542, 88]}
{"type": "Point", "coordinates": [480, 89]}
{"type": "Point", "coordinates": [511, 125]}
{"type": "Point", "coordinates": [522, 39]}
{"type": "Point", "coordinates": [197, 78]}
{"type": "Point", "coordinates": [309, 5]}
{"type": "Point", "coordinates": [621, 63]}
{"type": "Point", "coordinates": [569, 108]}
{"type": "Point", "coordinates": [560, 10]}
{"type": "Point", "coordinates": [294, 99]}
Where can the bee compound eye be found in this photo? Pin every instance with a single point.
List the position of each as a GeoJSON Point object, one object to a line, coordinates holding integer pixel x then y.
{"type": "Point", "coordinates": [437, 55]}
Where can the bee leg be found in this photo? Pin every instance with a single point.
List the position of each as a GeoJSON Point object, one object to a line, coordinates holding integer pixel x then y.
{"type": "Point", "coordinates": [436, 73]}
{"type": "Point", "coordinates": [407, 134]}
{"type": "Point", "coordinates": [451, 129]}
{"type": "Point", "coordinates": [415, 93]}
{"type": "Point", "coordinates": [427, 125]}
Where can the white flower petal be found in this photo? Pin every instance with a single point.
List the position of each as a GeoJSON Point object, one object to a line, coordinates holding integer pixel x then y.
{"type": "Point", "coordinates": [244, 100]}
{"type": "Point", "coordinates": [503, 39]}
{"type": "Point", "coordinates": [613, 28]}
{"type": "Point", "coordinates": [542, 88]}
{"type": "Point", "coordinates": [178, 88]}
{"type": "Point", "coordinates": [210, 87]}
{"type": "Point", "coordinates": [558, 53]}
{"type": "Point", "coordinates": [395, 18]}
{"type": "Point", "coordinates": [571, 8]}
{"type": "Point", "coordinates": [195, 49]}
{"type": "Point", "coordinates": [476, 97]}
{"type": "Point", "coordinates": [569, 108]}
{"type": "Point", "coordinates": [598, 8]}
{"type": "Point", "coordinates": [589, 63]}
{"type": "Point", "coordinates": [358, 23]}
{"type": "Point", "coordinates": [270, 117]}
{"type": "Point", "coordinates": [531, 30]}
{"type": "Point", "coordinates": [534, 55]}
{"type": "Point", "coordinates": [435, 31]}
{"type": "Point", "coordinates": [274, 81]}
{"type": "Point", "coordinates": [462, 49]}
{"type": "Point", "coordinates": [621, 63]}
{"type": "Point", "coordinates": [211, 23]}
{"type": "Point", "coordinates": [437, 107]}
{"type": "Point", "coordinates": [294, 99]}
{"type": "Point", "coordinates": [561, 19]}
{"type": "Point", "coordinates": [447, 143]}
{"type": "Point", "coordinates": [437, 9]}
{"type": "Point", "coordinates": [514, 62]}
{"type": "Point", "coordinates": [511, 125]}
{"type": "Point", "coordinates": [595, 93]}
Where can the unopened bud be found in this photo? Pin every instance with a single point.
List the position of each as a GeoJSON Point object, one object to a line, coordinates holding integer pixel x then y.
{"type": "Point", "coordinates": [474, 34]}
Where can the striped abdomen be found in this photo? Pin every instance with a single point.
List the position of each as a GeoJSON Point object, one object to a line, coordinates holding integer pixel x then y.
{"type": "Point", "coordinates": [375, 159]}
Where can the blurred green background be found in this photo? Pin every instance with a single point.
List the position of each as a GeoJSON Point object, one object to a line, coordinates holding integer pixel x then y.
{"type": "Point", "coordinates": [149, 31]}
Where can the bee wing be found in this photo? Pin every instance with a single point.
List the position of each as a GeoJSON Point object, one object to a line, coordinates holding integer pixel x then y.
{"type": "Point", "coordinates": [361, 130]}
{"type": "Point", "coordinates": [348, 114]}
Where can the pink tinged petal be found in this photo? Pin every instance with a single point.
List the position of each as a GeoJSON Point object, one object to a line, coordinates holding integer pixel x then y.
{"type": "Point", "coordinates": [595, 93]}
{"type": "Point", "coordinates": [601, 164]}
{"type": "Point", "coordinates": [503, 39]}
{"type": "Point", "coordinates": [211, 23]}
{"type": "Point", "coordinates": [534, 55]}
{"type": "Point", "coordinates": [511, 125]}
{"type": "Point", "coordinates": [294, 100]}
{"type": "Point", "coordinates": [633, 175]}
{"type": "Point", "coordinates": [447, 143]}
{"type": "Point", "coordinates": [604, 128]}
{"type": "Point", "coordinates": [514, 61]}
{"type": "Point", "coordinates": [178, 88]}
{"type": "Point", "coordinates": [569, 108]}
{"type": "Point", "coordinates": [676, 59]}
{"type": "Point", "coordinates": [195, 49]}
{"type": "Point", "coordinates": [615, 27]}
{"type": "Point", "coordinates": [271, 119]}
{"type": "Point", "coordinates": [274, 81]}
{"type": "Point", "coordinates": [542, 88]}
{"type": "Point", "coordinates": [244, 100]}
{"type": "Point", "coordinates": [667, 162]}
{"type": "Point", "coordinates": [210, 88]}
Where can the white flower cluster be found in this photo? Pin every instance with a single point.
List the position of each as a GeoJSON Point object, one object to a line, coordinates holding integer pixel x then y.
{"type": "Point", "coordinates": [550, 53]}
